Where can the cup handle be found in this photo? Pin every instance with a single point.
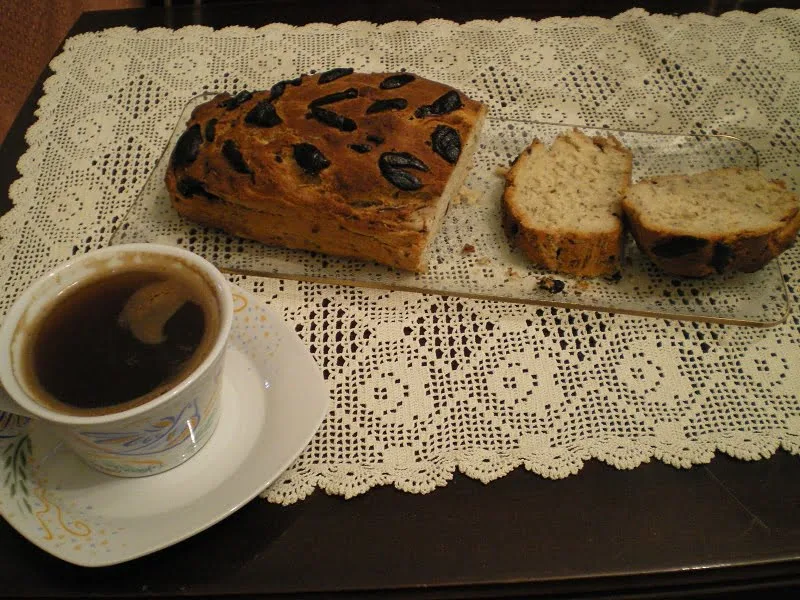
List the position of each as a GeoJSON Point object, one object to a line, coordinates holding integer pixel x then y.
{"type": "Point", "coordinates": [7, 404]}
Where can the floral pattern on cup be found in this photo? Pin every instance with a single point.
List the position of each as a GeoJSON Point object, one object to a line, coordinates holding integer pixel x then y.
{"type": "Point", "coordinates": [156, 436]}
{"type": "Point", "coordinates": [157, 443]}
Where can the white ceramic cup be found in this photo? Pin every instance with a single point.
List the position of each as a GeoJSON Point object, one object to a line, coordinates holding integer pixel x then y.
{"type": "Point", "coordinates": [146, 439]}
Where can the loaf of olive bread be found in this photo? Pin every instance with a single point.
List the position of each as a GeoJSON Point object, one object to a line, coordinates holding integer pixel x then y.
{"type": "Point", "coordinates": [344, 163]}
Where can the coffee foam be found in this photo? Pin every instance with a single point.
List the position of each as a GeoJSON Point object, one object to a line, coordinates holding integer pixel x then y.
{"type": "Point", "coordinates": [150, 307]}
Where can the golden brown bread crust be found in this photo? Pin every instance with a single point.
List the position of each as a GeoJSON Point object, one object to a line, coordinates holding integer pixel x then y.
{"type": "Point", "coordinates": [573, 252]}
{"type": "Point", "coordinates": [691, 256]}
{"type": "Point", "coordinates": [746, 252]}
{"type": "Point", "coordinates": [718, 254]}
{"type": "Point", "coordinates": [245, 178]}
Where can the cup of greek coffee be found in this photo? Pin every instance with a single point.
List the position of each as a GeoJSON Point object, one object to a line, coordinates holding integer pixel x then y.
{"type": "Point", "coordinates": [121, 351]}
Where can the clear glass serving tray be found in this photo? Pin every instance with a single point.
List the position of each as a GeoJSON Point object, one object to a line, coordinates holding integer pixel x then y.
{"type": "Point", "coordinates": [471, 255]}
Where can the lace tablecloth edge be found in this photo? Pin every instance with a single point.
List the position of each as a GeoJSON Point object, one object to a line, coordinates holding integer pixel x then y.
{"type": "Point", "coordinates": [350, 481]}
{"type": "Point", "coordinates": [508, 22]}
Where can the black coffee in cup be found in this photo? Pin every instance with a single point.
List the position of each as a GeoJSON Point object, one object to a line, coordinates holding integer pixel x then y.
{"type": "Point", "coordinates": [108, 345]}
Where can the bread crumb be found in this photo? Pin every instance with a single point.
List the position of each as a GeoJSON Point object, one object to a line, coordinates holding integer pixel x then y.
{"type": "Point", "coordinates": [582, 284]}
{"type": "Point", "coordinates": [466, 195]}
{"type": "Point", "coordinates": [554, 286]}
{"type": "Point", "coordinates": [512, 273]}
{"type": "Point", "coordinates": [468, 249]}
{"type": "Point", "coordinates": [483, 261]}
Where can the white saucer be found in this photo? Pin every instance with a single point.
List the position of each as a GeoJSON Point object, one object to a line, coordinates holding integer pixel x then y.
{"type": "Point", "coordinates": [273, 400]}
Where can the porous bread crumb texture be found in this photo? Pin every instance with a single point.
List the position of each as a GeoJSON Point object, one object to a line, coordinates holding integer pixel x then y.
{"type": "Point", "coordinates": [715, 203]}
{"type": "Point", "coordinates": [572, 186]}
{"type": "Point", "coordinates": [562, 204]}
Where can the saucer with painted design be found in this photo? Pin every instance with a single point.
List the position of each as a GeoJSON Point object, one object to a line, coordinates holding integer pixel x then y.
{"type": "Point", "coordinates": [273, 400]}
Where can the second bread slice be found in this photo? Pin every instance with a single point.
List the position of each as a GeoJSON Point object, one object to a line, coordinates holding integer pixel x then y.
{"type": "Point", "coordinates": [562, 205]}
{"type": "Point", "coordinates": [718, 221]}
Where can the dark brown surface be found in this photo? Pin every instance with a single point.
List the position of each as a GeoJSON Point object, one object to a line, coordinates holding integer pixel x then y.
{"type": "Point", "coordinates": [730, 529]}
{"type": "Point", "coordinates": [600, 531]}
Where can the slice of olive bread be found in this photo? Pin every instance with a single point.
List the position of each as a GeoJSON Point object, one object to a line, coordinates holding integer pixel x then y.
{"type": "Point", "coordinates": [562, 204]}
{"type": "Point", "coordinates": [716, 221]}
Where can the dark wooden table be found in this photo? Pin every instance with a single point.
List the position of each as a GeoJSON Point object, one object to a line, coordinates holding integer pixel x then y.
{"type": "Point", "coordinates": [729, 529]}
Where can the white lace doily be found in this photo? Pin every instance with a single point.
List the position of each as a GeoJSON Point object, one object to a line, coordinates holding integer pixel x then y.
{"type": "Point", "coordinates": [423, 385]}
